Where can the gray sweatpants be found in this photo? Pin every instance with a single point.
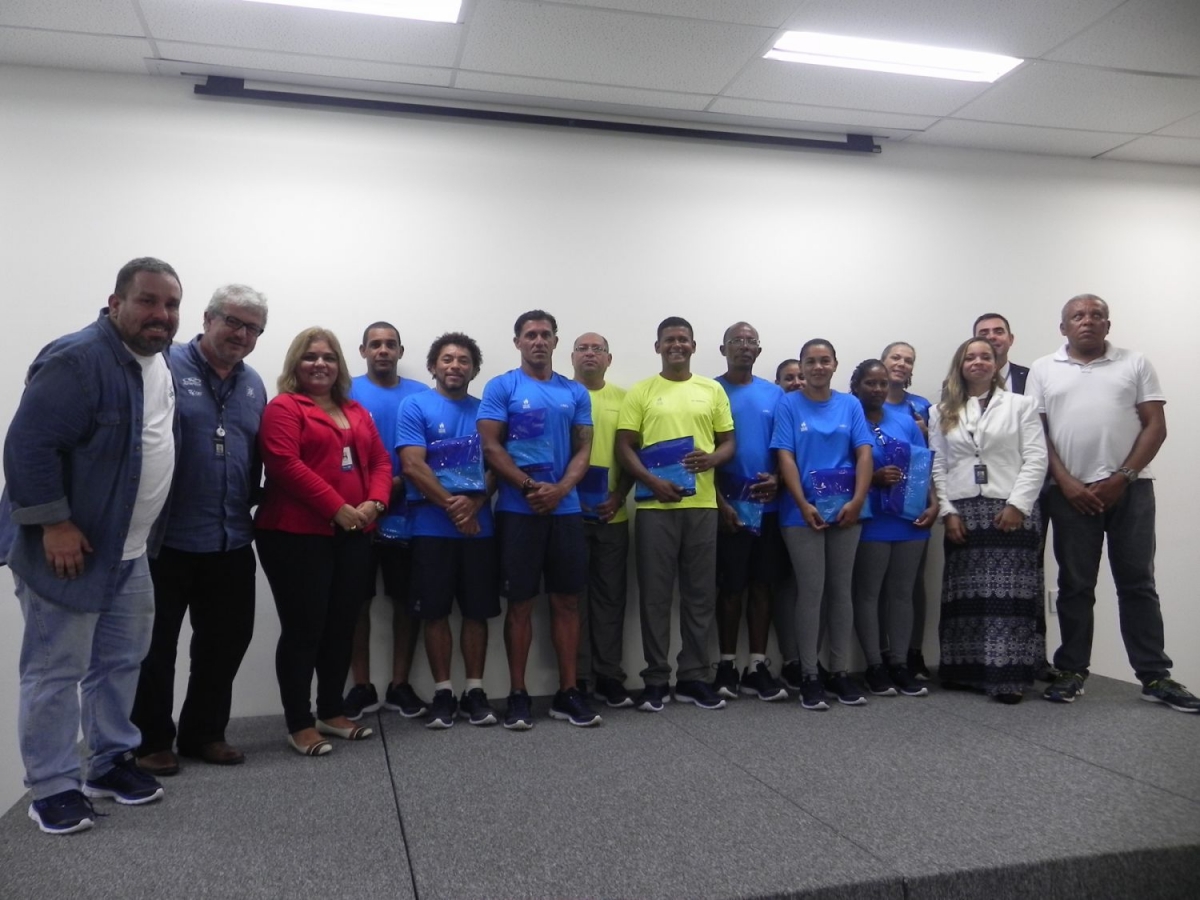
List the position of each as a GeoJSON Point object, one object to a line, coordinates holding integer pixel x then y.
{"type": "Point", "coordinates": [890, 569]}
{"type": "Point", "coordinates": [602, 604]}
{"type": "Point", "coordinates": [824, 565]}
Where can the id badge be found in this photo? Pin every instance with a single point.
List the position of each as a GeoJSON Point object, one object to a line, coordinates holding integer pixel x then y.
{"type": "Point", "coordinates": [347, 460]}
{"type": "Point", "coordinates": [981, 474]}
{"type": "Point", "coordinates": [219, 448]}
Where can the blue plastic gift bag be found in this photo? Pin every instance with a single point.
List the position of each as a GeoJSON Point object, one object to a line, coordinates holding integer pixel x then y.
{"type": "Point", "coordinates": [738, 493]}
{"type": "Point", "coordinates": [898, 454]}
{"type": "Point", "coordinates": [832, 489]}
{"type": "Point", "coordinates": [665, 460]}
{"type": "Point", "coordinates": [916, 483]}
{"type": "Point", "coordinates": [527, 442]}
{"type": "Point", "coordinates": [458, 464]}
{"type": "Point", "coordinates": [593, 490]}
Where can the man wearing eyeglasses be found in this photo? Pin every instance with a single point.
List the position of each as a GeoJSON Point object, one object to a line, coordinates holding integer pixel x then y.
{"type": "Point", "coordinates": [205, 567]}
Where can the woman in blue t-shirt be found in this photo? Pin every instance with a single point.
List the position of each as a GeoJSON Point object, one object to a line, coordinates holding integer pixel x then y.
{"type": "Point", "coordinates": [823, 447]}
{"type": "Point", "coordinates": [890, 547]}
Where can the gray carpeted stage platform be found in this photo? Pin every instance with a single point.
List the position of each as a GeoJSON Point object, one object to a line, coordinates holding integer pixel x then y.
{"type": "Point", "coordinates": [948, 796]}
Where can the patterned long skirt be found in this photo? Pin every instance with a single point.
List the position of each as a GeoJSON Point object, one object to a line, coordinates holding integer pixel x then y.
{"type": "Point", "coordinates": [992, 589]}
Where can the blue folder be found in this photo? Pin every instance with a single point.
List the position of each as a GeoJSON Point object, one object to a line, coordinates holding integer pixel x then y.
{"type": "Point", "coordinates": [665, 460]}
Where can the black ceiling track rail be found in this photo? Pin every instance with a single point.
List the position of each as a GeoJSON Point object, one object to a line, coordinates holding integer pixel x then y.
{"type": "Point", "coordinates": [235, 88]}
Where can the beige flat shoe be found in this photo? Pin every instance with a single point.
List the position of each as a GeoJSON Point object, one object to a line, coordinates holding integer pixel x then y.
{"type": "Point", "coordinates": [353, 733]}
{"type": "Point", "coordinates": [320, 748]}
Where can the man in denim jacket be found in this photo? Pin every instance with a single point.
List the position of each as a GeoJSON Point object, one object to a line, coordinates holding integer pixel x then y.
{"type": "Point", "coordinates": [88, 463]}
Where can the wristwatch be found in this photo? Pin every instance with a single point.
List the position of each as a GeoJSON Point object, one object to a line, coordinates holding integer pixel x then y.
{"type": "Point", "coordinates": [380, 508]}
{"type": "Point", "coordinates": [1131, 475]}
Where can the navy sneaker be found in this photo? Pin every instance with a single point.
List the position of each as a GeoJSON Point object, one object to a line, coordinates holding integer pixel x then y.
{"type": "Point", "coordinates": [125, 783]}
{"type": "Point", "coordinates": [905, 684]}
{"type": "Point", "coordinates": [812, 693]}
{"type": "Point", "coordinates": [63, 813]}
{"type": "Point", "coordinates": [474, 707]}
{"type": "Point", "coordinates": [725, 683]}
{"type": "Point", "coordinates": [404, 700]}
{"type": "Point", "coordinates": [571, 706]}
{"type": "Point", "coordinates": [791, 674]}
{"type": "Point", "coordinates": [700, 693]}
{"type": "Point", "coordinates": [613, 693]}
{"type": "Point", "coordinates": [443, 709]}
{"type": "Point", "coordinates": [653, 697]}
{"type": "Point", "coordinates": [879, 682]}
{"type": "Point", "coordinates": [520, 712]}
{"type": "Point", "coordinates": [1172, 693]}
{"type": "Point", "coordinates": [1065, 688]}
{"type": "Point", "coordinates": [362, 698]}
{"type": "Point", "coordinates": [762, 684]}
{"type": "Point", "coordinates": [916, 666]}
{"type": "Point", "coordinates": [843, 687]}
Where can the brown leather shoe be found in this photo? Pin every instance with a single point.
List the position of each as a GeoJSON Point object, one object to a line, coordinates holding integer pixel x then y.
{"type": "Point", "coordinates": [218, 753]}
{"type": "Point", "coordinates": [159, 764]}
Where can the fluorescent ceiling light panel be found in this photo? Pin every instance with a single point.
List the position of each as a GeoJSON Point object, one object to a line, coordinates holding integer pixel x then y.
{"type": "Point", "coordinates": [890, 56]}
{"type": "Point", "coordinates": [425, 10]}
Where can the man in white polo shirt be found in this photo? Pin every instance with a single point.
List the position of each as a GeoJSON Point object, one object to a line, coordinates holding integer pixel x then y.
{"type": "Point", "coordinates": [1103, 411]}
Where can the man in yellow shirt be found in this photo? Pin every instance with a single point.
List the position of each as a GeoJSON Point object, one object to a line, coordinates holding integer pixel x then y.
{"type": "Point", "coordinates": [606, 528]}
{"type": "Point", "coordinates": [677, 522]}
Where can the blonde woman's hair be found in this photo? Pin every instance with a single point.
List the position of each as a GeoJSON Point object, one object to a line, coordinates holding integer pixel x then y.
{"type": "Point", "coordinates": [287, 383]}
{"type": "Point", "coordinates": [954, 390]}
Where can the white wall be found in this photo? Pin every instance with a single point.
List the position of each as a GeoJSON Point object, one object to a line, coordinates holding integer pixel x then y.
{"type": "Point", "coordinates": [342, 218]}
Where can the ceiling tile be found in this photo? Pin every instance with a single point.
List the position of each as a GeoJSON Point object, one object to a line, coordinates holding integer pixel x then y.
{"type": "Point", "coordinates": [796, 114]}
{"type": "Point", "coordinates": [315, 32]}
{"type": "Point", "coordinates": [768, 13]}
{"type": "Point", "coordinates": [1189, 127]}
{"type": "Point", "coordinates": [1146, 35]}
{"type": "Point", "coordinates": [1155, 149]}
{"type": "Point", "coordinates": [568, 90]}
{"type": "Point", "coordinates": [1019, 138]}
{"type": "Point", "coordinates": [785, 82]}
{"type": "Point", "coordinates": [1068, 96]}
{"type": "Point", "coordinates": [601, 47]}
{"type": "Point", "coordinates": [1024, 28]}
{"type": "Point", "coordinates": [262, 61]}
{"type": "Point", "coordinates": [57, 49]}
{"type": "Point", "coordinates": [95, 16]}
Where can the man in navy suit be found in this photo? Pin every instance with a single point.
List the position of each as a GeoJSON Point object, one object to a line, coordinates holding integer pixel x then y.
{"type": "Point", "coordinates": [993, 328]}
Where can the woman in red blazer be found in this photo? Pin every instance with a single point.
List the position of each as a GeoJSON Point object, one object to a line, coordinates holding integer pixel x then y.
{"type": "Point", "coordinates": [328, 479]}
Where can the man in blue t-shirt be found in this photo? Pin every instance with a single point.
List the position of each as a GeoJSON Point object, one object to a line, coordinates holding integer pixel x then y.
{"type": "Point", "coordinates": [536, 430]}
{"type": "Point", "coordinates": [453, 547]}
{"type": "Point", "coordinates": [381, 391]}
{"type": "Point", "coordinates": [750, 551]}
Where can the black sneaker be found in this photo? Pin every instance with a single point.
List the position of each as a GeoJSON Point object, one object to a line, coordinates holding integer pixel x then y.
{"type": "Point", "coordinates": [878, 682]}
{"type": "Point", "coordinates": [443, 710]}
{"type": "Point", "coordinates": [125, 783]}
{"type": "Point", "coordinates": [613, 693]}
{"type": "Point", "coordinates": [762, 684]}
{"type": "Point", "coordinates": [404, 700]}
{"type": "Point", "coordinates": [700, 693]}
{"type": "Point", "coordinates": [1065, 688]}
{"type": "Point", "coordinates": [63, 813]}
{"type": "Point", "coordinates": [843, 687]}
{"type": "Point", "coordinates": [725, 683]}
{"type": "Point", "coordinates": [916, 666]}
{"type": "Point", "coordinates": [474, 707]}
{"type": "Point", "coordinates": [1172, 693]}
{"type": "Point", "coordinates": [362, 698]}
{"type": "Point", "coordinates": [653, 697]}
{"type": "Point", "coordinates": [823, 675]}
{"type": "Point", "coordinates": [791, 674]}
{"type": "Point", "coordinates": [812, 693]}
{"type": "Point", "coordinates": [520, 712]}
{"type": "Point", "coordinates": [905, 684]}
{"type": "Point", "coordinates": [571, 706]}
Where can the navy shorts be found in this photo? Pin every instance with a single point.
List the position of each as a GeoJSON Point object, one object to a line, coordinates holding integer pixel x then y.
{"type": "Point", "coordinates": [744, 558]}
{"type": "Point", "coordinates": [394, 560]}
{"type": "Point", "coordinates": [445, 569]}
{"type": "Point", "coordinates": [533, 547]}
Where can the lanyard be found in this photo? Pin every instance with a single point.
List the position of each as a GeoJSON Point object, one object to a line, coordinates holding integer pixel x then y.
{"type": "Point", "coordinates": [228, 386]}
{"type": "Point", "coordinates": [987, 405]}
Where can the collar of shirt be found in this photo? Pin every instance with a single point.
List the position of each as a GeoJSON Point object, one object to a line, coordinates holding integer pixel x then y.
{"type": "Point", "coordinates": [1110, 354]}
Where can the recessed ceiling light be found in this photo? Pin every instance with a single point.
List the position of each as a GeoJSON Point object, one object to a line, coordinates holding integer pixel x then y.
{"type": "Point", "coordinates": [890, 56]}
{"type": "Point", "coordinates": [425, 10]}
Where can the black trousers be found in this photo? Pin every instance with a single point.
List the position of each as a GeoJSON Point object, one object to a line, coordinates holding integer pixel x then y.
{"type": "Point", "coordinates": [217, 591]}
{"type": "Point", "coordinates": [319, 583]}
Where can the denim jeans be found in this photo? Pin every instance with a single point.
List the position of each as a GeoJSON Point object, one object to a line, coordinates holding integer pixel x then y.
{"type": "Point", "coordinates": [81, 669]}
{"type": "Point", "coordinates": [1078, 542]}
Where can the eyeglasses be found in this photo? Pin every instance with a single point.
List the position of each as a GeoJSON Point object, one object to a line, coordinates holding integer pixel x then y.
{"type": "Point", "coordinates": [236, 324]}
{"type": "Point", "coordinates": [592, 348]}
{"type": "Point", "coordinates": [744, 342]}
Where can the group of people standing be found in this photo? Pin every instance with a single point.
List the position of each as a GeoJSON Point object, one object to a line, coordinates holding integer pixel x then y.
{"type": "Point", "coordinates": [134, 492]}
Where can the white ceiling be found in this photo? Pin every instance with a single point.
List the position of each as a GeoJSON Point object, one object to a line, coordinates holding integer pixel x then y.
{"type": "Point", "coordinates": [1118, 79]}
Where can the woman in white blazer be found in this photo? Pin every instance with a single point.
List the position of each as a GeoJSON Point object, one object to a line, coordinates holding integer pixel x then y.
{"type": "Point", "coordinates": [989, 464]}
